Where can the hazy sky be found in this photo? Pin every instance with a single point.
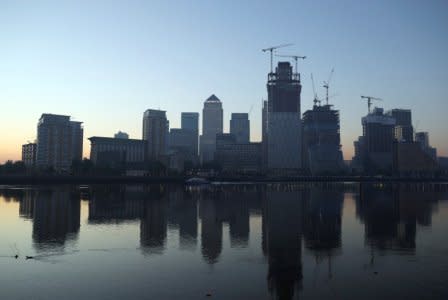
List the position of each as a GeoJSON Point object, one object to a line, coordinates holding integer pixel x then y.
{"type": "Point", "coordinates": [105, 62]}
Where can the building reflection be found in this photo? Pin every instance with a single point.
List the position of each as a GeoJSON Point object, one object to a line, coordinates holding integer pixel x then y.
{"type": "Point", "coordinates": [56, 216]}
{"type": "Point", "coordinates": [211, 212]}
{"type": "Point", "coordinates": [183, 215]}
{"type": "Point", "coordinates": [115, 204]}
{"type": "Point", "coordinates": [282, 231]}
{"type": "Point", "coordinates": [391, 215]}
{"type": "Point", "coordinates": [322, 223]}
{"type": "Point", "coordinates": [154, 221]}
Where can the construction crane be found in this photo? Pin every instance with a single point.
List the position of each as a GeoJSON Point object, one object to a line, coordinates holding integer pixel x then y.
{"type": "Point", "coordinates": [369, 101]}
{"type": "Point", "coordinates": [271, 50]}
{"type": "Point", "coordinates": [295, 57]}
{"type": "Point", "coordinates": [327, 85]}
{"type": "Point", "coordinates": [316, 100]}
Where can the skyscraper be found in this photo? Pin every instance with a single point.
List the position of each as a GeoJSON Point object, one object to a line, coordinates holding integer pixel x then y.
{"type": "Point", "coordinates": [374, 148]}
{"type": "Point", "coordinates": [59, 142]}
{"type": "Point", "coordinates": [321, 140]}
{"type": "Point", "coordinates": [155, 133]}
{"type": "Point", "coordinates": [404, 132]}
{"type": "Point", "coordinates": [240, 127]}
{"type": "Point", "coordinates": [212, 124]}
{"type": "Point", "coordinates": [283, 120]}
{"type": "Point", "coordinates": [190, 122]}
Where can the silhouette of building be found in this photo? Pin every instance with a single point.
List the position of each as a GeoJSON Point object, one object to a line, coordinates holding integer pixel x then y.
{"type": "Point", "coordinates": [212, 124]}
{"type": "Point", "coordinates": [423, 139]}
{"type": "Point", "coordinates": [240, 127]}
{"type": "Point", "coordinates": [184, 141]}
{"type": "Point", "coordinates": [190, 121]}
{"type": "Point", "coordinates": [321, 141]}
{"type": "Point", "coordinates": [239, 158]}
{"type": "Point", "coordinates": [29, 154]}
{"type": "Point", "coordinates": [410, 159]}
{"type": "Point", "coordinates": [155, 133]}
{"type": "Point", "coordinates": [59, 142]}
{"type": "Point", "coordinates": [211, 214]}
{"type": "Point", "coordinates": [404, 132]}
{"type": "Point", "coordinates": [283, 119]}
{"type": "Point", "coordinates": [264, 134]}
{"type": "Point", "coordinates": [121, 135]}
{"type": "Point", "coordinates": [373, 151]}
{"type": "Point", "coordinates": [116, 152]}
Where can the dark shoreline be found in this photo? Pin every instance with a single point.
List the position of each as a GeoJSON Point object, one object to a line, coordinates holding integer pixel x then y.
{"type": "Point", "coordinates": [180, 179]}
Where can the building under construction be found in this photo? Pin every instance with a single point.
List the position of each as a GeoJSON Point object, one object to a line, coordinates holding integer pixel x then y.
{"type": "Point", "coordinates": [321, 153]}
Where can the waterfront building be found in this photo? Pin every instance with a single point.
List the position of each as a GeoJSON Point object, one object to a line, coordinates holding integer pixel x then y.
{"type": "Point", "coordinates": [321, 141]}
{"type": "Point", "coordinates": [404, 132]}
{"type": "Point", "coordinates": [375, 148]}
{"type": "Point", "coordinates": [155, 133]}
{"type": "Point", "coordinates": [184, 141]}
{"type": "Point", "coordinates": [59, 142]}
{"type": "Point", "coordinates": [422, 138]}
{"type": "Point", "coordinates": [239, 157]}
{"type": "Point", "coordinates": [29, 154]}
{"type": "Point", "coordinates": [190, 121]}
{"type": "Point", "coordinates": [116, 152]}
{"type": "Point", "coordinates": [264, 134]}
{"type": "Point", "coordinates": [410, 159]}
{"type": "Point", "coordinates": [283, 119]}
{"type": "Point", "coordinates": [212, 124]}
{"type": "Point", "coordinates": [240, 127]}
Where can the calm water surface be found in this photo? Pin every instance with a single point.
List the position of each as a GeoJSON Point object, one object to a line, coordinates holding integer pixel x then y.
{"type": "Point", "coordinates": [274, 241]}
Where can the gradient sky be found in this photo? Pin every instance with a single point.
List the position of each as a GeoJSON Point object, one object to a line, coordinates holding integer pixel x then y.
{"type": "Point", "coordinates": [105, 62]}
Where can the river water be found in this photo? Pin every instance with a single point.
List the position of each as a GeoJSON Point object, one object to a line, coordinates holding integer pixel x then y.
{"type": "Point", "coordinates": [245, 241]}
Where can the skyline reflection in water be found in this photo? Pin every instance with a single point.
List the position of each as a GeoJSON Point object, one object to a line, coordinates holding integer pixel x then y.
{"type": "Point", "coordinates": [281, 241]}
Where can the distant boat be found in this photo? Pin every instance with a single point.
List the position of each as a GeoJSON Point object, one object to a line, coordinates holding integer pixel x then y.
{"type": "Point", "coordinates": [197, 181]}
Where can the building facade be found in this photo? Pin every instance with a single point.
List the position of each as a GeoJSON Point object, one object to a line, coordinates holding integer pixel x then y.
{"type": "Point", "coordinates": [116, 152]}
{"type": "Point", "coordinates": [240, 127]}
{"type": "Point", "coordinates": [155, 134]}
{"type": "Point", "coordinates": [29, 154]}
{"type": "Point", "coordinates": [404, 132]}
{"type": "Point", "coordinates": [241, 158]}
{"type": "Point", "coordinates": [184, 141]}
{"type": "Point", "coordinates": [190, 121]}
{"type": "Point", "coordinates": [59, 142]}
{"type": "Point", "coordinates": [321, 151]}
{"type": "Point", "coordinates": [212, 124]}
{"type": "Point", "coordinates": [283, 119]}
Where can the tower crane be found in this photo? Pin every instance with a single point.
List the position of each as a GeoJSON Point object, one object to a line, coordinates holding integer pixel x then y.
{"type": "Point", "coordinates": [316, 100]}
{"type": "Point", "coordinates": [369, 101]}
{"type": "Point", "coordinates": [327, 84]}
{"type": "Point", "coordinates": [271, 50]}
{"type": "Point", "coordinates": [295, 57]}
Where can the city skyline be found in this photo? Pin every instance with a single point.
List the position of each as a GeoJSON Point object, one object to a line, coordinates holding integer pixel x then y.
{"type": "Point", "coordinates": [97, 71]}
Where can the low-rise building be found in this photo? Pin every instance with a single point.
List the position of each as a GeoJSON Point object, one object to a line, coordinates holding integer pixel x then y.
{"type": "Point", "coordinates": [239, 158]}
{"type": "Point", "coordinates": [116, 152]}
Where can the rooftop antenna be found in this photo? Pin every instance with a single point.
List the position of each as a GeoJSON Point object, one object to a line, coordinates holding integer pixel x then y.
{"type": "Point", "coordinates": [295, 57]}
{"type": "Point", "coordinates": [327, 84]}
{"type": "Point", "coordinates": [271, 50]}
{"type": "Point", "coordinates": [369, 101]}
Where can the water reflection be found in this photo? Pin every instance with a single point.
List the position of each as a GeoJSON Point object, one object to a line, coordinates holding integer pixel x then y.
{"type": "Point", "coordinates": [55, 213]}
{"type": "Point", "coordinates": [388, 217]}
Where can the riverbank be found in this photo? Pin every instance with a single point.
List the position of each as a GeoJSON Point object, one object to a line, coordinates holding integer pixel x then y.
{"type": "Point", "coordinates": [67, 179]}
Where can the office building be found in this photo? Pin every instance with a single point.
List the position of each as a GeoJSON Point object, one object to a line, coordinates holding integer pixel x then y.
{"type": "Point", "coordinates": [404, 132]}
{"type": "Point", "coordinates": [190, 121]}
{"type": "Point", "coordinates": [59, 142]}
{"type": "Point", "coordinates": [410, 159]}
{"type": "Point", "coordinates": [29, 154]}
{"type": "Point", "coordinates": [241, 158]}
{"type": "Point", "coordinates": [155, 133]}
{"type": "Point", "coordinates": [212, 124]}
{"type": "Point", "coordinates": [374, 148]}
{"type": "Point", "coordinates": [116, 152]}
{"type": "Point", "coordinates": [422, 138]}
{"type": "Point", "coordinates": [240, 127]}
{"type": "Point", "coordinates": [264, 134]}
{"type": "Point", "coordinates": [184, 141]}
{"type": "Point", "coordinates": [321, 153]}
{"type": "Point", "coordinates": [283, 119]}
